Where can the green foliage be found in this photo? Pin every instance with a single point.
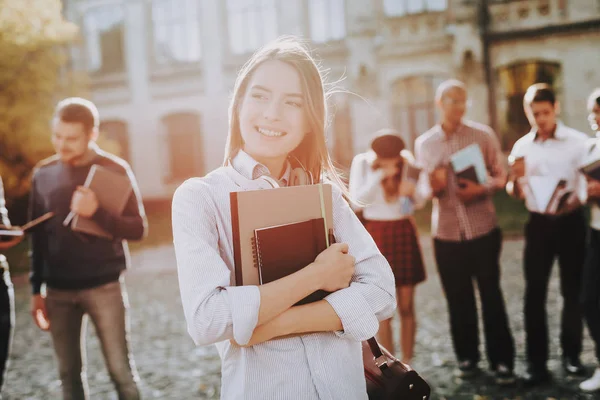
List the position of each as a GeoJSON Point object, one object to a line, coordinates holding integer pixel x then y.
{"type": "Point", "coordinates": [33, 39]}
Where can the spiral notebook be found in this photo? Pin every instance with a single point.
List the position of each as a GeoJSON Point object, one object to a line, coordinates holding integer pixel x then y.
{"type": "Point", "coordinates": [281, 250]}
{"type": "Point", "coordinates": [256, 209]}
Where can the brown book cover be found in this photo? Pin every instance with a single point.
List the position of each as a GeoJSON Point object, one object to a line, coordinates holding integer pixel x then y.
{"type": "Point", "coordinates": [112, 190]}
{"type": "Point", "coordinates": [285, 249]}
{"type": "Point", "coordinates": [255, 209]}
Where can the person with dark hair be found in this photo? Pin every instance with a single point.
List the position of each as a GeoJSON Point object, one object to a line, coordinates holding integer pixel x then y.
{"type": "Point", "coordinates": [590, 291]}
{"type": "Point", "coordinates": [380, 186]}
{"type": "Point", "coordinates": [7, 304]}
{"type": "Point", "coordinates": [83, 274]}
{"type": "Point", "coordinates": [550, 154]}
{"type": "Point", "coordinates": [467, 240]}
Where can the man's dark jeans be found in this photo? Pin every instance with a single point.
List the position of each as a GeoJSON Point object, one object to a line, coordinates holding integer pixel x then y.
{"type": "Point", "coordinates": [547, 238]}
{"type": "Point", "coordinates": [107, 306]}
{"type": "Point", "coordinates": [460, 264]}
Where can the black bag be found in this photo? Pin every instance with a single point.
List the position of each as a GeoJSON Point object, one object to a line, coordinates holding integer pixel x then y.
{"type": "Point", "coordinates": [388, 378]}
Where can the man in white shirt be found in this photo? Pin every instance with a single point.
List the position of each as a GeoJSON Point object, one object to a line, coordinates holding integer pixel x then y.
{"type": "Point", "coordinates": [545, 162]}
{"type": "Point", "coordinates": [590, 291]}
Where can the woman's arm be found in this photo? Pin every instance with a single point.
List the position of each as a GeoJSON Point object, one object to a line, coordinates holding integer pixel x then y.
{"type": "Point", "coordinates": [314, 317]}
{"type": "Point", "coordinates": [371, 296]}
{"type": "Point", "coordinates": [364, 182]}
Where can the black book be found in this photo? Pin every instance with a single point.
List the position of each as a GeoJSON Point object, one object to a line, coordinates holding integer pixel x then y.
{"type": "Point", "coordinates": [468, 173]}
{"type": "Point", "coordinates": [284, 249]}
{"type": "Point", "coordinates": [592, 170]}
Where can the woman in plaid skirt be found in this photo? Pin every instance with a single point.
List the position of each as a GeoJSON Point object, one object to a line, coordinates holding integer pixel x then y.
{"type": "Point", "coordinates": [383, 181]}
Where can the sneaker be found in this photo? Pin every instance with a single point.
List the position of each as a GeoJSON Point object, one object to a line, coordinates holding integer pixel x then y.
{"type": "Point", "coordinates": [592, 384]}
{"type": "Point", "coordinates": [466, 369]}
{"type": "Point", "coordinates": [504, 375]}
{"type": "Point", "coordinates": [573, 366]}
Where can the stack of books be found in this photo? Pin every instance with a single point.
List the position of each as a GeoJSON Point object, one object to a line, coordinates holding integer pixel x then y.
{"type": "Point", "coordinates": [468, 163]}
{"type": "Point", "coordinates": [277, 232]}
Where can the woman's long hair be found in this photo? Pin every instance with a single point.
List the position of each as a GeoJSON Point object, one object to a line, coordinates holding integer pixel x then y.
{"type": "Point", "coordinates": [312, 151]}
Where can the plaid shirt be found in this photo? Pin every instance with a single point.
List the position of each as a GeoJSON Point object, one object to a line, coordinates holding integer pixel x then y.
{"type": "Point", "coordinates": [452, 220]}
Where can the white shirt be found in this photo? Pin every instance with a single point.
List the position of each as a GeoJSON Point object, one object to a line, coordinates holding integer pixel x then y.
{"type": "Point", "coordinates": [593, 150]}
{"type": "Point", "coordinates": [558, 157]}
{"type": "Point", "coordinates": [315, 366]}
{"type": "Point", "coordinates": [365, 188]}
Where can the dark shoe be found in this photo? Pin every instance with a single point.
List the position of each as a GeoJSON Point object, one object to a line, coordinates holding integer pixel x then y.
{"type": "Point", "coordinates": [503, 375]}
{"type": "Point", "coordinates": [536, 376]}
{"type": "Point", "coordinates": [466, 369]}
{"type": "Point", "coordinates": [573, 366]}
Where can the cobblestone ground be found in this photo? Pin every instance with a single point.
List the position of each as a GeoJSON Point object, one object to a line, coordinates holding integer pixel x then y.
{"type": "Point", "coordinates": [171, 367]}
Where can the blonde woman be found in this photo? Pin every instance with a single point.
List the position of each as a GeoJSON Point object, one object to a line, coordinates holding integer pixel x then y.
{"type": "Point", "coordinates": [277, 114]}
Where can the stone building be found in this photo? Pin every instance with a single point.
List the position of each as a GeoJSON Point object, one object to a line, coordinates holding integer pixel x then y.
{"type": "Point", "coordinates": [161, 71]}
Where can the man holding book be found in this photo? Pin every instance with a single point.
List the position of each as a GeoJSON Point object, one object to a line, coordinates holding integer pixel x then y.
{"type": "Point", "coordinates": [467, 239]}
{"type": "Point", "coordinates": [590, 292]}
{"type": "Point", "coordinates": [83, 271]}
{"type": "Point", "coordinates": [7, 306]}
{"type": "Point", "coordinates": [545, 174]}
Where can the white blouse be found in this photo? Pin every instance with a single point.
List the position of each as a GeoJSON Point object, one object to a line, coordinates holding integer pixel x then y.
{"type": "Point", "coordinates": [366, 189]}
{"type": "Point", "coordinates": [558, 157]}
{"type": "Point", "coordinates": [322, 366]}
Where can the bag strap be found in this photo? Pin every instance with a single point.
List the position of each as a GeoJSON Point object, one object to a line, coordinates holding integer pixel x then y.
{"type": "Point", "coordinates": [380, 358]}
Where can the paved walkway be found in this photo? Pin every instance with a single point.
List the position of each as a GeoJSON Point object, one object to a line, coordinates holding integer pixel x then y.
{"type": "Point", "coordinates": [171, 367]}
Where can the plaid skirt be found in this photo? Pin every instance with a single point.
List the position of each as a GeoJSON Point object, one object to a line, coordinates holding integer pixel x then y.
{"type": "Point", "coordinates": [399, 243]}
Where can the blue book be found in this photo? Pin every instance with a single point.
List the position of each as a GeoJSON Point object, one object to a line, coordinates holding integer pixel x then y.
{"type": "Point", "coordinates": [465, 160]}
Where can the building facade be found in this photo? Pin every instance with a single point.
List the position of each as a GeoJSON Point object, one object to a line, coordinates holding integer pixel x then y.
{"type": "Point", "coordinates": [162, 71]}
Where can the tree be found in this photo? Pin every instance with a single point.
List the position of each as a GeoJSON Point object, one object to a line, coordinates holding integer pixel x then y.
{"type": "Point", "coordinates": [33, 40]}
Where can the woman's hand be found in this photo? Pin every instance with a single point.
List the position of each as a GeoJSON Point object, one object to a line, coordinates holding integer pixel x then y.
{"type": "Point", "coordinates": [438, 180]}
{"type": "Point", "coordinates": [407, 188]}
{"type": "Point", "coordinates": [335, 267]}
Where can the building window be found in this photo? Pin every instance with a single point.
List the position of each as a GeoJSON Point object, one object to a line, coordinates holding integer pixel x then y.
{"type": "Point", "coordinates": [395, 8]}
{"type": "Point", "coordinates": [413, 106]}
{"type": "Point", "coordinates": [327, 20]}
{"type": "Point", "coordinates": [252, 23]}
{"type": "Point", "coordinates": [513, 81]}
{"type": "Point", "coordinates": [176, 31]}
{"type": "Point", "coordinates": [116, 133]}
{"type": "Point", "coordinates": [105, 39]}
{"type": "Point", "coordinates": [184, 146]}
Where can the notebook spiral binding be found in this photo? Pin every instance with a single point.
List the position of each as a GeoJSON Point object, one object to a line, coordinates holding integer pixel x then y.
{"type": "Point", "coordinates": [255, 253]}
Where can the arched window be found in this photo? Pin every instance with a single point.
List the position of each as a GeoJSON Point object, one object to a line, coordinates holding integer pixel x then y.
{"type": "Point", "coordinates": [413, 106]}
{"type": "Point", "coordinates": [514, 80]}
{"type": "Point", "coordinates": [116, 131]}
{"type": "Point", "coordinates": [184, 146]}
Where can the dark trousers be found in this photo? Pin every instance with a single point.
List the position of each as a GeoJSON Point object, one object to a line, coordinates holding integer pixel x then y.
{"type": "Point", "coordinates": [590, 288]}
{"type": "Point", "coordinates": [459, 263]}
{"type": "Point", "coordinates": [107, 307]}
{"type": "Point", "coordinates": [7, 316]}
{"type": "Point", "coordinates": [545, 239]}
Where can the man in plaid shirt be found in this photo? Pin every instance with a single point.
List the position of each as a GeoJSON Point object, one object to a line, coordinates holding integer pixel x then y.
{"type": "Point", "coordinates": [467, 240]}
